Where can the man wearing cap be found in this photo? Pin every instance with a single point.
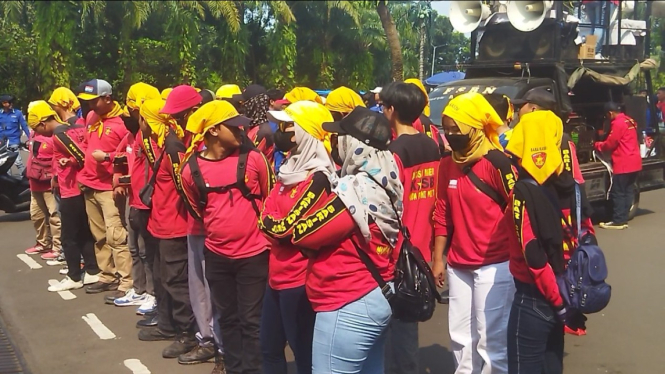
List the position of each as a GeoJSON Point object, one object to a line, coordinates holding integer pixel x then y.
{"type": "Point", "coordinates": [68, 143]}
{"type": "Point", "coordinates": [622, 143]}
{"type": "Point", "coordinates": [106, 130]}
{"type": "Point", "coordinates": [236, 259]}
{"type": "Point", "coordinates": [11, 124]}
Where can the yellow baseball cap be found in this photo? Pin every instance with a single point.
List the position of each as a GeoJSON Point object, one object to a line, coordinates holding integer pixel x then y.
{"type": "Point", "coordinates": [310, 116]}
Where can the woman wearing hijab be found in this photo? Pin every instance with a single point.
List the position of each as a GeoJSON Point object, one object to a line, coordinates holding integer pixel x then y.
{"type": "Point", "coordinates": [287, 313]}
{"type": "Point", "coordinates": [260, 131]}
{"type": "Point", "coordinates": [355, 220]}
{"type": "Point", "coordinates": [536, 327]}
{"type": "Point", "coordinates": [474, 185]}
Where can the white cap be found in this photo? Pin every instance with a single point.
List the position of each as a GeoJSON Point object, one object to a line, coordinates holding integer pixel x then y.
{"type": "Point", "coordinates": [279, 116]}
{"type": "Point", "coordinates": [376, 90]}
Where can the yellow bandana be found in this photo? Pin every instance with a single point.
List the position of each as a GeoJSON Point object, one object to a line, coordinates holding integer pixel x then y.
{"type": "Point", "coordinates": [302, 94]}
{"type": "Point", "coordinates": [65, 98]}
{"type": "Point", "coordinates": [343, 100]}
{"type": "Point", "coordinates": [160, 124]}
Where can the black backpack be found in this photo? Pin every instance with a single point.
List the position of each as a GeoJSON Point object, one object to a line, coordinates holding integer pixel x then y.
{"type": "Point", "coordinates": [415, 295]}
{"type": "Point", "coordinates": [204, 189]}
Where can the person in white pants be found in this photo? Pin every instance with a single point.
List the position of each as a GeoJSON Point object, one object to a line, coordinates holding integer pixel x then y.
{"type": "Point", "coordinates": [474, 185]}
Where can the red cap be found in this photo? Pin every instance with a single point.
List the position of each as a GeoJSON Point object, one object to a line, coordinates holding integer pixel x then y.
{"type": "Point", "coordinates": [282, 102]}
{"type": "Point", "coordinates": [180, 99]}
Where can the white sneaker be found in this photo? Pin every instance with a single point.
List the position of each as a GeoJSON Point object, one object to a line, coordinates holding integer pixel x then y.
{"type": "Point", "coordinates": [148, 306]}
{"type": "Point", "coordinates": [66, 285]}
{"type": "Point", "coordinates": [130, 298]}
{"type": "Point", "coordinates": [64, 270]}
{"type": "Point", "coordinates": [90, 278]}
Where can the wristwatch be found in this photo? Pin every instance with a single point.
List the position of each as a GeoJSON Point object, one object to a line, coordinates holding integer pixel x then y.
{"type": "Point", "coordinates": [107, 157]}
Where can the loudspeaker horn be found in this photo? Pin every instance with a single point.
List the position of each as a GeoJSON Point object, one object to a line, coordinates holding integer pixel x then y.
{"type": "Point", "coordinates": [528, 15]}
{"type": "Point", "coordinates": [465, 16]}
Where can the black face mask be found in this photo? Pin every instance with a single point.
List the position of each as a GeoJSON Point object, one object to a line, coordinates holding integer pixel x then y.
{"type": "Point", "coordinates": [283, 140]}
{"type": "Point", "coordinates": [335, 156]}
{"type": "Point", "coordinates": [458, 142]}
{"type": "Point", "coordinates": [132, 124]}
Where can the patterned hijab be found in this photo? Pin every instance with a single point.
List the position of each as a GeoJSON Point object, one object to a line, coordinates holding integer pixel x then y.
{"type": "Point", "coordinates": [256, 108]}
{"type": "Point", "coordinates": [364, 167]}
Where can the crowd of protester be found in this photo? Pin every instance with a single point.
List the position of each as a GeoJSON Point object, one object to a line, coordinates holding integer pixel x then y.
{"type": "Point", "coordinates": [235, 221]}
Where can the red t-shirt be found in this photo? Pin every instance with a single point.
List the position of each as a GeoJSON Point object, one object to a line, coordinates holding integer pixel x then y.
{"type": "Point", "coordinates": [335, 274]}
{"type": "Point", "coordinates": [99, 175]}
{"type": "Point", "coordinates": [229, 219]}
{"type": "Point", "coordinates": [418, 158]}
{"type": "Point", "coordinates": [41, 148]}
{"type": "Point", "coordinates": [68, 174]}
{"type": "Point", "coordinates": [168, 216]}
{"type": "Point", "coordinates": [480, 232]}
{"type": "Point", "coordinates": [283, 207]}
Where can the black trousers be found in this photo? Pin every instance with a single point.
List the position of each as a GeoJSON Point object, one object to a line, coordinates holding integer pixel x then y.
{"type": "Point", "coordinates": [76, 237]}
{"type": "Point", "coordinates": [237, 287]}
{"type": "Point", "coordinates": [174, 309]}
{"type": "Point", "coordinates": [623, 189]}
{"type": "Point", "coordinates": [143, 261]}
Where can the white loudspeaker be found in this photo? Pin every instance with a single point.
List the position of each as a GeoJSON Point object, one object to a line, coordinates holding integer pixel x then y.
{"type": "Point", "coordinates": [528, 15]}
{"type": "Point", "coordinates": [658, 8]}
{"type": "Point", "coordinates": [465, 16]}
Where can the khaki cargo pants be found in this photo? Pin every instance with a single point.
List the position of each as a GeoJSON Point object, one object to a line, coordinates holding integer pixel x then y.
{"type": "Point", "coordinates": [110, 235]}
{"type": "Point", "coordinates": [44, 216]}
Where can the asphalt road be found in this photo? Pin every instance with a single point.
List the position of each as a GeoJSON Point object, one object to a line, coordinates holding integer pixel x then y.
{"type": "Point", "coordinates": [53, 337]}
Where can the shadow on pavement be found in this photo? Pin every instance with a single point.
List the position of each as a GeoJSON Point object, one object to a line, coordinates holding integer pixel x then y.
{"type": "Point", "coordinates": [15, 217]}
{"type": "Point", "coordinates": [436, 359]}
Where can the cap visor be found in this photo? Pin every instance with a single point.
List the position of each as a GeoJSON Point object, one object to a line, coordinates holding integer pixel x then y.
{"type": "Point", "coordinates": [86, 96]}
{"type": "Point", "coordinates": [170, 109]}
{"type": "Point", "coordinates": [237, 121]}
{"type": "Point", "coordinates": [279, 116]}
{"type": "Point", "coordinates": [518, 102]}
{"type": "Point", "coordinates": [282, 102]}
{"type": "Point", "coordinates": [334, 127]}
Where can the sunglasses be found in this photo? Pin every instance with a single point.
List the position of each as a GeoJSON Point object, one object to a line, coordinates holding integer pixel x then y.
{"type": "Point", "coordinates": [284, 126]}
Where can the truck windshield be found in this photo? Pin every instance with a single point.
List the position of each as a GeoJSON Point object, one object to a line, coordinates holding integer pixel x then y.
{"type": "Point", "coordinates": [440, 96]}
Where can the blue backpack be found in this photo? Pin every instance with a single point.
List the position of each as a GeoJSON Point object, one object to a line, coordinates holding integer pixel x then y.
{"type": "Point", "coordinates": [582, 285]}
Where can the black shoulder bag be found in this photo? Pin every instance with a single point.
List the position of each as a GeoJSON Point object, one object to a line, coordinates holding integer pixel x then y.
{"type": "Point", "coordinates": [415, 295]}
{"type": "Point", "coordinates": [149, 189]}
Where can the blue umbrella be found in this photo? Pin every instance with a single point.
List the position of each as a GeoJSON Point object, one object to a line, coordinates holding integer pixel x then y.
{"type": "Point", "coordinates": [444, 77]}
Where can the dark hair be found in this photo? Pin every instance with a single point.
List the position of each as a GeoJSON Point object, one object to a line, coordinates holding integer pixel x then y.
{"type": "Point", "coordinates": [275, 94]}
{"type": "Point", "coordinates": [500, 103]}
{"type": "Point", "coordinates": [369, 99]}
{"type": "Point", "coordinates": [662, 89]}
{"type": "Point", "coordinates": [407, 100]}
{"type": "Point", "coordinates": [611, 106]}
{"type": "Point", "coordinates": [206, 96]}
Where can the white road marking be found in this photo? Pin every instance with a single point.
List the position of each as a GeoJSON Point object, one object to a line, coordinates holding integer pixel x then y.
{"type": "Point", "coordinates": [98, 327]}
{"type": "Point", "coordinates": [66, 295]}
{"type": "Point", "coordinates": [136, 366]}
{"type": "Point", "coordinates": [29, 261]}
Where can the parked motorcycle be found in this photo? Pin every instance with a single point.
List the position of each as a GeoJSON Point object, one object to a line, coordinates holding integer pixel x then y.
{"type": "Point", "coordinates": [14, 190]}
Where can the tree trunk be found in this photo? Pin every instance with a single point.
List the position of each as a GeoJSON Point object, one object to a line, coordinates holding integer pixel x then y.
{"type": "Point", "coordinates": [423, 41]}
{"type": "Point", "coordinates": [392, 35]}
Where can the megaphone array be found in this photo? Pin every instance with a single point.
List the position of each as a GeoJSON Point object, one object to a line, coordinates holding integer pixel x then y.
{"type": "Point", "coordinates": [465, 16]}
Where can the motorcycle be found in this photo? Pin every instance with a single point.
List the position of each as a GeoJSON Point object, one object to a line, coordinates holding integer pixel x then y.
{"type": "Point", "coordinates": [14, 191]}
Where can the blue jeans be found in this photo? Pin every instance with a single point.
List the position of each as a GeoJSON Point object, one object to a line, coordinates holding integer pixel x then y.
{"type": "Point", "coordinates": [287, 316]}
{"type": "Point", "coordinates": [351, 339]}
{"type": "Point", "coordinates": [623, 189]}
{"type": "Point", "coordinates": [535, 335]}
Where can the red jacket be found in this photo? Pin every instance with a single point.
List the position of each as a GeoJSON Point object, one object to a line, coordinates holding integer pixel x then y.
{"type": "Point", "coordinates": [67, 175]}
{"type": "Point", "coordinates": [418, 158]}
{"type": "Point", "coordinates": [229, 219]}
{"type": "Point", "coordinates": [283, 207]}
{"type": "Point", "coordinates": [623, 144]}
{"type": "Point", "coordinates": [99, 175]}
{"type": "Point", "coordinates": [480, 231]}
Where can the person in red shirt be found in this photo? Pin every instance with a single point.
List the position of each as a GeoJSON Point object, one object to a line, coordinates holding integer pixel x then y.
{"type": "Point", "coordinates": [622, 143]}
{"type": "Point", "coordinates": [67, 159]}
{"type": "Point", "coordinates": [43, 204]}
{"type": "Point", "coordinates": [538, 313]}
{"type": "Point", "coordinates": [106, 130]}
{"type": "Point", "coordinates": [236, 253]}
{"type": "Point", "coordinates": [168, 223]}
{"type": "Point", "coordinates": [130, 175]}
{"type": "Point", "coordinates": [287, 313]}
{"type": "Point", "coordinates": [353, 226]}
{"type": "Point", "coordinates": [417, 157]}
{"type": "Point", "coordinates": [474, 185]}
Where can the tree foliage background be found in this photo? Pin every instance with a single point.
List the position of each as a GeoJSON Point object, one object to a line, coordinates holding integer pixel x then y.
{"type": "Point", "coordinates": [321, 44]}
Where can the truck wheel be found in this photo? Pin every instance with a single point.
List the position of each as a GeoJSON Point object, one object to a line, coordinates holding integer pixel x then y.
{"type": "Point", "coordinates": [635, 206]}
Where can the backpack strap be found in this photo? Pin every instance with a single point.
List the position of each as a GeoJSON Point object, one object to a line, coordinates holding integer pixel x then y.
{"type": "Point", "coordinates": [198, 182]}
{"type": "Point", "coordinates": [245, 148]}
{"type": "Point", "coordinates": [386, 290]}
